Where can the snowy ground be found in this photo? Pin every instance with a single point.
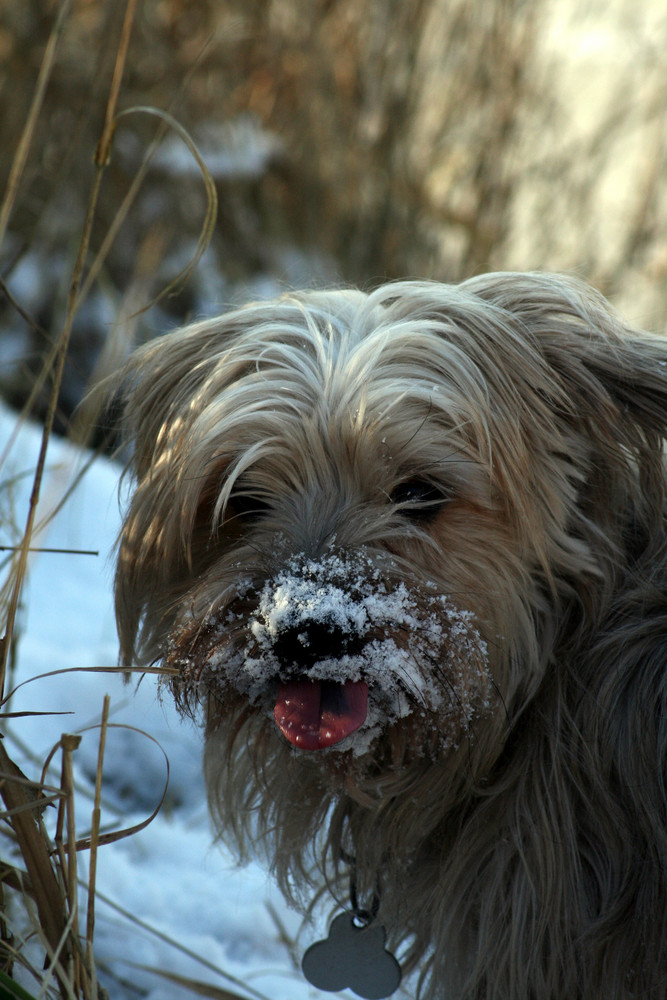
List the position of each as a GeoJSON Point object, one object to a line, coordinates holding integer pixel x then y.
{"type": "Point", "coordinates": [185, 891]}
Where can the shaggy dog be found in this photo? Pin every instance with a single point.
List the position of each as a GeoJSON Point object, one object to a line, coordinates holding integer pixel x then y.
{"type": "Point", "coordinates": [409, 551]}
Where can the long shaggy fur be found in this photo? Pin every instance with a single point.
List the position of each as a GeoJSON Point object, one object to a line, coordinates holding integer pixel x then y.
{"type": "Point", "coordinates": [481, 469]}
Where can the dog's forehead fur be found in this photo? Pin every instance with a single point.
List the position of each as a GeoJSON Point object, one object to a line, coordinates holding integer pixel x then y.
{"type": "Point", "coordinates": [371, 386]}
{"type": "Point", "coordinates": [484, 387]}
{"type": "Point", "coordinates": [343, 356]}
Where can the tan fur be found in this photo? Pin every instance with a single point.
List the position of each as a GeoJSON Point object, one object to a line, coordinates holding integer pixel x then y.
{"type": "Point", "coordinates": [512, 811]}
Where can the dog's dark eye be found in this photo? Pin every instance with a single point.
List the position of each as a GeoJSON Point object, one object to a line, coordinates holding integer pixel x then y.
{"type": "Point", "coordinates": [419, 499]}
{"type": "Point", "coordinates": [246, 506]}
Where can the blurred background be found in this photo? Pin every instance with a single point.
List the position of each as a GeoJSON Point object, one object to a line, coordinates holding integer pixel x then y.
{"type": "Point", "coordinates": [348, 142]}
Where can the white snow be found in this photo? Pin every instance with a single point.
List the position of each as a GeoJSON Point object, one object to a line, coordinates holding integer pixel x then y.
{"type": "Point", "coordinates": [168, 898]}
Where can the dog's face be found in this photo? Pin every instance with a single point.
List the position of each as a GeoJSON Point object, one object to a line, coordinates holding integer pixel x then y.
{"type": "Point", "coordinates": [362, 523]}
{"type": "Point", "coordinates": [335, 520]}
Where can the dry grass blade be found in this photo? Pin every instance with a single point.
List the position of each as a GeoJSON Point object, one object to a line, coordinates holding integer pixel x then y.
{"type": "Point", "coordinates": [121, 338]}
{"type": "Point", "coordinates": [56, 967]}
{"type": "Point", "coordinates": [45, 887]}
{"type": "Point", "coordinates": [11, 589]}
{"type": "Point", "coordinates": [284, 937]}
{"type": "Point", "coordinates": [34, 393]}
{"type": "Point", "coordinates": [39, 379]}
{"type": "Point", "coordinates": [63, 342]}
{"type": "Point", "coordinates": [25, 141]}
{"type": "Point", "coordinates": [25, 316]}
{"type": "Point", "coordinates": [68, 492]}
{"type": "Point", "coordinates": [194, 985]}
{"type": "Point", "coordinates": [69, 742]}
{"type": "Point", "coordinates": [210, 215]}
{"type": "Point", "coordinates": [22, 563]}
{"type": "Point", "coordinates": [67, 552]}
{"type": "Point", "coordinates": [103, 150]}
{"type": "Point", "coordinates": [94, 844]}
{"type": "Point", "coordinates": [138, 180]}
{"type": "Point", "coordinates": [44, 800]}
{"type": "Point", "coordinates": [89, 670]}
{"type": "Point", "coordinates": [85, 843]}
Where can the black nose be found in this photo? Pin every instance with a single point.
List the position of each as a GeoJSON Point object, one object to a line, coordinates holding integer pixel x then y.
{"type": "Point", "coordinates": [305, 644]}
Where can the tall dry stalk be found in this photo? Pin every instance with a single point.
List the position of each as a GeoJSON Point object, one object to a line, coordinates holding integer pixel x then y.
{"type": "Point", "coordinates": [54, 888]}
{"type": "Point", "coordinates": [49, 883]}
{"type": "Point", "coordinates": [101, 160]}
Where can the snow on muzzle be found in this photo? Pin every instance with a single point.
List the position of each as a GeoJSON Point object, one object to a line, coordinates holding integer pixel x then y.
{"type": "Point", "coordinates": [312, 619]}
{"type": "Point", "coordinates": [327, 630]}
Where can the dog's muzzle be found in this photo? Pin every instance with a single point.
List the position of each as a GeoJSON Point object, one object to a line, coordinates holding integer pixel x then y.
{"type": "Point", "coordinates": [336, 651]}
{"type": "Point", "coordinates": [316, 630]}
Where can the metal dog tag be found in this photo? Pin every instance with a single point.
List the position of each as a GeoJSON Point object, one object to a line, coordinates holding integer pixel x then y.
{"type": "Point", "coordinates": [353, 956]}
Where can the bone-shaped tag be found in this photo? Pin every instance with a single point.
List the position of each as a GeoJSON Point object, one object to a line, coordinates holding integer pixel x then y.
{"type": "Point", "coordinates": [355, 957]}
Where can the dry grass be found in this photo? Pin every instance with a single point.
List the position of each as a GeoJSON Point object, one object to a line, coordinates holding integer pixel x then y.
{"type": "Point", "coordinates": [42, 871]}
{"type": "Point", "coordinates": [49, 876]}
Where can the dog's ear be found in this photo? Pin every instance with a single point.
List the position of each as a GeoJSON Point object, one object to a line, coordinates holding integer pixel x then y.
{"type": "Point", "coordinates": [168, 383]}
{"type": "Point", "coordinates": [607, 368]}
{"type": "Point", "coordinates": [186, 426]}
{"type": "Point", "coordinates": [159, 393]}
{"type": "Point", "coordinates": [608, 400]}
{"type": "Point", "coordinates": [161, 387]}
{"type": "Point", "coordinates": [612, 378]}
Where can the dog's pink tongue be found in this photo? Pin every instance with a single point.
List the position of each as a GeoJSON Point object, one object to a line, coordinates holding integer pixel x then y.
{"type": "Point", "coordinates": [317, 714]}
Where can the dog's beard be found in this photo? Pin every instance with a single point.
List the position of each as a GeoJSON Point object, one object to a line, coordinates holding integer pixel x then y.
{"type": "Point", "coordinates": [337, 653]}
